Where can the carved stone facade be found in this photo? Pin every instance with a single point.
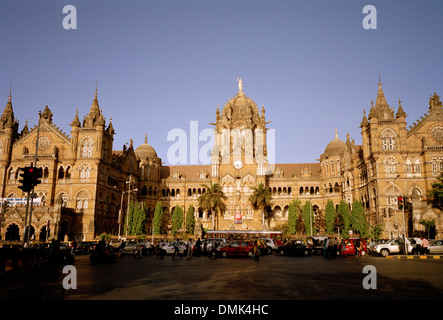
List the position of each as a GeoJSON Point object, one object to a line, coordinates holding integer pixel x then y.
{"type": "Point", "coordinates": [85, 182]}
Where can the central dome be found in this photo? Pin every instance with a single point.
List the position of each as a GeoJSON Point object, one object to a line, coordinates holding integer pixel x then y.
{"type": "Point", "coordinates": [335, 147]}
{"type": "Point", "coordinates": [146, 150]}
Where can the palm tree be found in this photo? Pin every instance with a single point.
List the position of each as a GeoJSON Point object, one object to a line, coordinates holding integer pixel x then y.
{"type": "Point", "coordinates": [260, 199]}
{"type": "Point", "coordinates": [212, 200]}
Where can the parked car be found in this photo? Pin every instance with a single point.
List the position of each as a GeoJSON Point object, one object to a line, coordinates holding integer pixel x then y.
{"type": "Point", "coordinates": [316, 244]}
{"type": "Point", "coordinates": [435, 246]}
{"type": "Point", "coordinates": [270, 245]}
{"type": "Point", "coordinates": [349, 247]}
{"type": "Point", "coordinates": [294, 247]}
{"type": "Point", "coordinates": [391, 247]}
{"type": "Point", "coordinates": [169, 247]}
{"type": "Point", "coordinates": [237, 248]}
{"type": "Point", "coordinates": [208, 243]}
{"type": "Point", "coordinates": [131, 248]}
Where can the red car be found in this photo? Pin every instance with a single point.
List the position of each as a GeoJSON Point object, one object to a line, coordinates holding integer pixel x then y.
{"type": "Point", "coordinates": [349, 246]}
{"type": "Point", "coordinates": [237, 248]}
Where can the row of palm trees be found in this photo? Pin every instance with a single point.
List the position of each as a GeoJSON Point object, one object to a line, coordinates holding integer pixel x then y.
{"type": "Point", "coordinates": [213, 200]}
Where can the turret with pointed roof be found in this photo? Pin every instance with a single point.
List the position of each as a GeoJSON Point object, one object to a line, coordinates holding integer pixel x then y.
{"type": "Point", "coordinates": [94, 116]}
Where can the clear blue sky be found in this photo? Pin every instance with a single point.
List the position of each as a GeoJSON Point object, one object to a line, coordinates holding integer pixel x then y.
{"type": "Point", "coordinates": [163, 63]}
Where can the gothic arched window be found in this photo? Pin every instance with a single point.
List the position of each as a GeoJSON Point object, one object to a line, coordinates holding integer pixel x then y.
{"type": "Point", "coordinates": [388, 140]}
{"type": "Point", "coordinates": [86, 148]}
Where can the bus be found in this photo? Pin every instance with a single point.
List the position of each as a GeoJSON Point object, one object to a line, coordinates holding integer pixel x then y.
{"type": "Point", "coordinates": [277, 236]}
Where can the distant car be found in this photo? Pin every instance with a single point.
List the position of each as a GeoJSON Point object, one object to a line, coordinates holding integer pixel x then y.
{"type": "Point", "coordinates": [391, 247]}
{"type": "Point", "coordinates": [436, 246]}
{"type": "Point", "coordinates": [294, 248]}
{"type": "Point", "coordinates": [237, 248]}
{"type": "Point", "coordinates": [84, 247]}
{"type": "Point", "coordinates": [316, 244]}
{"type": "Point", "coordinates": [349, 248]}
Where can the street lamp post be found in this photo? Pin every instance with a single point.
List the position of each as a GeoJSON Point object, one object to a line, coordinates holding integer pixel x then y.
{"type": "Point", "coordinates": [395, 207]}
{"type": "Point", "coordinates": [121, 208]}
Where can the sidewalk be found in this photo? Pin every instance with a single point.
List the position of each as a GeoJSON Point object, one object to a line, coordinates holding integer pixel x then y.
{"type": "Point", "coordinates": [410, 256]}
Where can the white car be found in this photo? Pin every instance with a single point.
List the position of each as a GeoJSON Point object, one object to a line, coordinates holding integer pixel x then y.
{"type": "Point", "coordinates": [270, 243]}
{"type": "Point", "coordinates": [390, 247]}
{"type": "Point", "coordinates": [209, 242]}
{"type": "Point", "coordinates": [169, 247]}
{"type": "Point", "coordinates": [436, 246]}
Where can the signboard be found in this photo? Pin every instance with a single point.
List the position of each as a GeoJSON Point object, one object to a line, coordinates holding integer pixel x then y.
{"type": "Point", "coordinates": [237, 218]}
{"type": "Point", "coordinates": [20, 201]}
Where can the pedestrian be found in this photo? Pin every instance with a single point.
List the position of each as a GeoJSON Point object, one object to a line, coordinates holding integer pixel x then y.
{"type": "Point", "coordinates": [326, 247]}
{"type": "Point", "coordinates": [205, 247]}
{"type": "Point", "coordinates": [189, 246]}
{"type": "Point", "coordinates": [357, 248]}
{"type": "Point", "coordinates": [343, 247]}
{"type": "Point", "coordinates": [418, 245]}
{"type": "Point", "coordinates": [138, 249]}
{"type": "Point", "coordinates": [159, 250]}
{"type": "Point", "coordinates": [53, 254]}
{"type": "Point", "coordinates": [177, 250]}
{"type": "Point", "coordinates": [73, 248]}
{"type": "Point", "coordinates": [256, 251]}
{"type": "Point", "coordinates": [425, 245]}
{"type": "Point", "coordinates": [198, 248]}
{"type": "Point", "coordinates": [213, 253]}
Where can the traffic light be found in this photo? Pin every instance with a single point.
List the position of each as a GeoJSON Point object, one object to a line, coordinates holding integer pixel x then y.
{"type": "Point", "coordinates": [400, 202]}
{"type": "Point", "coordinates": [27, 179]}
{"type": "Point", "coordinates": [37, 173]}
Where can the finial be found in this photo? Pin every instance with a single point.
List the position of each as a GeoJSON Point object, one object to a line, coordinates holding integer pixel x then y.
{"type": "Point", "coordinates": [96, 87]}
{"type": "Point", "coordinates": [336, 134]}
{"type": "Point", "coordinates": [146, 138]}
{"type": "Point", "coordinates": [240, 84]}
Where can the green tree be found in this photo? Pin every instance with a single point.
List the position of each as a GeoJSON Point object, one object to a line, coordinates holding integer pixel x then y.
{"type": "Point", "coordinates": [137, 219]}
{"type": "Point", "coordinates": [345, 213]}
{"type": "Point", "coordinates": [330, 216]}
{"type": "Point", "coordinates": [293, 213]}
{"type": "Point", "coordinates": [158, 218]}
{"type": "Point", "coordinates": [376, 231]}
{"type": "Point", "coordinates": [436, 193]}
{"type": "Point", "coordinates": [308, 218]}
{"type": "Point", "coordinates": [213, 200]}
{"type": "Point", "coordinates": [177, 219]}
{"type": "Point", "coordinates": [190, 220]}
{"type": "Point", "coordinates": [359, 224]}
{"type": "Point", "coordinates": [260, 199]}
{"type": "Point", "coordinates": [428, 224]}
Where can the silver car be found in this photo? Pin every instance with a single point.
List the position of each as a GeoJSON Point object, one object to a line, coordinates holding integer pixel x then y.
{"type": "Point", "coordinates": [391, 247]}
{"type": "Point", "coordinates": [436, 246]}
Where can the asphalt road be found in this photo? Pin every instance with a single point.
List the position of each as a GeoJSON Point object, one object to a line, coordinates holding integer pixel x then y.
{"type": "Point", "coordinates": [270, 278]}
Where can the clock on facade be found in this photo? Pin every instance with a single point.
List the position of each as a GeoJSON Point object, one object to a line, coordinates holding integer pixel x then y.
{"type": "Point", "coordinates": [238, 164]}
{"type": "Point", "coordinates": [436, 132]}
{"type": "Point", "coordinates": [44, 142]}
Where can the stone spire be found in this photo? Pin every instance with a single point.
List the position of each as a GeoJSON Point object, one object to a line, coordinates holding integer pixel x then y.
{"type": "Point", "coordinates": [7, 118]}
{"type": "Point", "coordinates": [364, 121]}
{"type": "Point", "coordinates": [400, 112]}
{"type": "Point", "coordinates": [76, 121]}
{"type": "Point", "coordinates": [110, 128]}
{"type": "Point", "coordinates": [93, 115]}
